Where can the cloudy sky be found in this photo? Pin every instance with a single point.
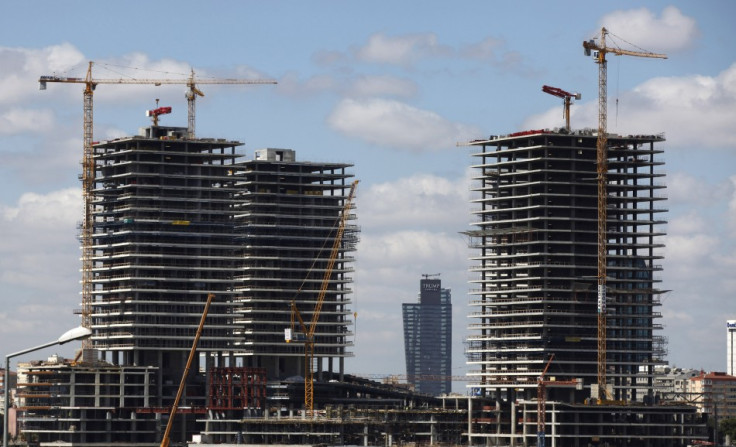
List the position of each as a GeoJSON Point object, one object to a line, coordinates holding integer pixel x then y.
{"type": "Point", "coordinates": [391, 87]}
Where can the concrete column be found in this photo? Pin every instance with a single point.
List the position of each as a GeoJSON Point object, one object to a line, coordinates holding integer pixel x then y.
{"type": "Point", "coordinates": [97, 388]}
{"type": "Point", "coordinates": [525, 414]}
{"type": "Point", "coordinates": [513, 423]}
{"type": "Point", "coordinates": [470, 420]}
{"type": "Point", "coordinates": [431, 430]}
{"type": "Point", "coordinates": [554, 426]}
{"type": "Point", "coordinates": [72, 388]}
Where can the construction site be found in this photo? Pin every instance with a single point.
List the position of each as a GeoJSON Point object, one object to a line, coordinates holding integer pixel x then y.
{"type": "Point", "coordinates": [218, 293]}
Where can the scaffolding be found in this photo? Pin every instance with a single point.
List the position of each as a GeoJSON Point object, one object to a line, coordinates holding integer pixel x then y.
{"type": "Point", "coordinates": [237, 388]}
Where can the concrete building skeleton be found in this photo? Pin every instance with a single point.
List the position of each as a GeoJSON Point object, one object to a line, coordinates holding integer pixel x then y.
{"type": "Point", "coordinates": [536, 240]}
{"type": "Point", "coordinates": [286, 216]}
{"type": "Point", "coordinates": [91, 404]}
{"type": "Point", "coordinates": [163, 239]}
{"type": "Point", "coordinates": [176, 219]}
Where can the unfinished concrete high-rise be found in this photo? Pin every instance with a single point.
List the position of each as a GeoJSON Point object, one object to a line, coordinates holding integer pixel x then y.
{"type": "Point", "coordinates": [176, 219]}
{"type": "Point", "coordinates": [536, 239]}
{"type": "Point", "coordinates": [286, 219]}
{"type": "Point", "coordinates": [163, 239]}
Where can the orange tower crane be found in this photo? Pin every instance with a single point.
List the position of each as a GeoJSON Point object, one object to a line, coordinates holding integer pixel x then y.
{"type": "Point", "coordinates": [308, 332]}
{"type": "Point", "coordinates": [88, 166]}
{"type": "Point", "coordinates": [566, 96]}
{"type": "Point", "coordinates": [600, 49]}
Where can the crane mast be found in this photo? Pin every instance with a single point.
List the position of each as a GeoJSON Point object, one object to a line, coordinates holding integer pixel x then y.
{"type": "Point", "coordinates": [309, 331]}
{"type": "Point", "coordinates": [88, 184]}
{"type": "Point", "coordinates": [602, 178]}
{"type": "Point", "coordinates": [88, 164]}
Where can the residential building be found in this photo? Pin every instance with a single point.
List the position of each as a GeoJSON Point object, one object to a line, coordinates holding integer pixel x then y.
{"type": "Point", "coordinates": [428, 338]}
{"type": "Point", "coordinates": [714, 393]}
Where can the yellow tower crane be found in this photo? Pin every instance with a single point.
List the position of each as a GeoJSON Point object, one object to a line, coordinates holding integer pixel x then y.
{"type": "Point", "coordinates": [599, 50]}
{"type": "Point", "coordinates": [88, 166]}
{"type": "Point", "coordinates": [307, 332]}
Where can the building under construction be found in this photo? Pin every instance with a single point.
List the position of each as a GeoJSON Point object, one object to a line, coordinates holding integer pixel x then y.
{"type": "Point", "coordinates": [536, 250]}
{"type": "Point", "coordinates": [177, 218]}
{"type": "Point", "coordinates": [286, 216]}
{"type": "Point", "coordinates": [163, 239]}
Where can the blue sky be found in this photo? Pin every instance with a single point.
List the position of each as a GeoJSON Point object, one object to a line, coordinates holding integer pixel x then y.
{"type": "Point", "coordinates": [392, 87]}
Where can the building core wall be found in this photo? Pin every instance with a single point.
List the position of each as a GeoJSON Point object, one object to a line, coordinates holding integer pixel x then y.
{"type": "Point", "coordinates": [536, 261]}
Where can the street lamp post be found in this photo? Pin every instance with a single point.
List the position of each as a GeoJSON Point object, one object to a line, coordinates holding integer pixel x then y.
{"type": "Point", "coordinates": [77, 333]}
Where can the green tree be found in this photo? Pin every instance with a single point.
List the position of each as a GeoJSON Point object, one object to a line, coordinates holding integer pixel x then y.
{"type": "Point", "coordinates": [727, 427]}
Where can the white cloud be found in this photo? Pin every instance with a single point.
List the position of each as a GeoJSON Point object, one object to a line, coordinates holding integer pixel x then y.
{"type": "Point", "coordinates": [360, 86]}
{"type": "Point", "coordinates": [400, 50]}
{"type": "Point", "coordinates": [683, 188]}
{"type": "Point", "coordinates": [672, 31]}
{"type": "Point", "coordinates": [405, 247]}
{"type": "Point", "coordinates": [692, 111]}
{"type": "Point", "coordinates": [485, 49]}
{"type": "Point", "coordinates": [291, 85]}
{"type": "Point", "coordinates": [43, 211]}
{"type": "Point", "coordinates": [23, 66]}
{"type": "Point", "coordinates": [731, 213]}
{"type": "Point", "coordinates": [698, 268]}
{"type": "Point", "coordinates": [39, 267]}
{"type": "Point", "coordinates": [408, 50]}
{"type": "Point", "coordinates": [365, 86]}
{"type": "Point", "coordinates": [15, 121]}
{"type": "Point", "coordinates": [422, 200]}
{"type": "Point", "coordinates": [397, 125]}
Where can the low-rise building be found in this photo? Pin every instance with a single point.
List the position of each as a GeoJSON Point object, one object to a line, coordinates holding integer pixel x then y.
{"type": "Point", "coordinates": [714, 393]}
{"type": "Point", "coordinates": [59, 400]}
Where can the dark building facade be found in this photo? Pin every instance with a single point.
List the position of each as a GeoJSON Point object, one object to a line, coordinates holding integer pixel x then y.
{"type": "Point", "coordinates": [163, 240]}
{"type": "Point", "coordinates": [286, 219]}
{"type": "Point", "coordinates": [428, 338]}
{"type": "Point", "coordinates": [536, 261]}
{"type": "Point", "coordinates": [177, 219]}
